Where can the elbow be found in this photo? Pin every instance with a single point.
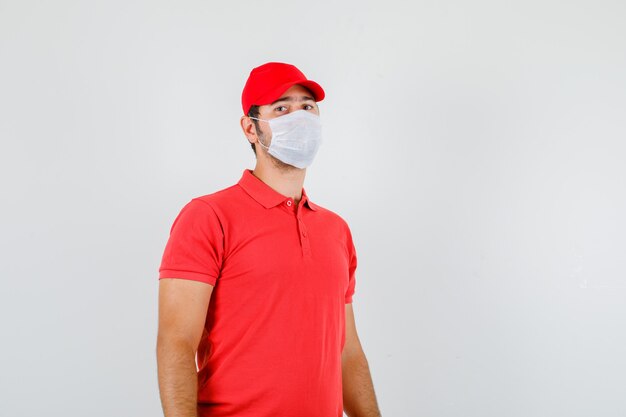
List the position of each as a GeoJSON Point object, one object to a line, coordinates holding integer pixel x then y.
{"type": "Point", "coordinates": [169, 347]}
{"type": "Point", "coordinates": [353, 356]}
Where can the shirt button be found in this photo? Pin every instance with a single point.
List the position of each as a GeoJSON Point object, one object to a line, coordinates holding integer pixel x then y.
{"type": "Point", "coordinates": [303, 233]}
{"type": "Point", "coordinates": [289, 203]}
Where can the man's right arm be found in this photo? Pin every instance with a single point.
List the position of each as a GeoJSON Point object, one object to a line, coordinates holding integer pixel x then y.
{"type": "Point", "coordinates": [183, 307]}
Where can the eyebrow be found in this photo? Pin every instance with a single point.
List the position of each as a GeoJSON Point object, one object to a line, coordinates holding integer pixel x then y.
{"type": "Point", "coordinates": [305, 98]}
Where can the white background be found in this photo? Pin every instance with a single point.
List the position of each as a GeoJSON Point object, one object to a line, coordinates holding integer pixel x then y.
{"type": "Point", "coordinates": [476, 150]}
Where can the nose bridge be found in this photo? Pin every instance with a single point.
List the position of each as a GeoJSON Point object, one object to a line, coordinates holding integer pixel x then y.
{"type": "Point", "coordinates": [294, 107]}
{"type": "Point", "coordinates": [293, 103]}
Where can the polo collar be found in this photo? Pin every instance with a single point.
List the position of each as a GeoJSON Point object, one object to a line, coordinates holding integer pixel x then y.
{"type": "Point", "coordinates": [264, 194]}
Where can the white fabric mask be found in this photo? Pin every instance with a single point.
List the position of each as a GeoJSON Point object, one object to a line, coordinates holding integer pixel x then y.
{"type": "Point", "coordinates": [296, 137]}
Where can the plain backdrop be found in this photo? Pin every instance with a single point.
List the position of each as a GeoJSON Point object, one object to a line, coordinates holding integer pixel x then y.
{"type": "Point", "coordinates": [475, 148]}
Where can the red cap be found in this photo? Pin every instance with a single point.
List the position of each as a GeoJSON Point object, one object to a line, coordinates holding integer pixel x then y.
{"type": "Point", "coordinates": [269, 81]}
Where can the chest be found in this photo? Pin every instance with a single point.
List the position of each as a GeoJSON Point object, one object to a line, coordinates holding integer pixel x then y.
{"type": "Point", "coordinates": [287, 255]}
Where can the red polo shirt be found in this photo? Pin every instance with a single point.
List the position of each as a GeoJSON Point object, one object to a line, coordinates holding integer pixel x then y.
{"type": "Point", "coordinates": [275, 326]}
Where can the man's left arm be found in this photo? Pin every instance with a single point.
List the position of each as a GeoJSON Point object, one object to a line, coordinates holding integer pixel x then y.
{"type": "Point", "coordinates": [359, 399]}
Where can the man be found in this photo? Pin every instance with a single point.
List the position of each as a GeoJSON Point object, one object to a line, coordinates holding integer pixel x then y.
{"type": "Point", "coordinates": [256, 281]}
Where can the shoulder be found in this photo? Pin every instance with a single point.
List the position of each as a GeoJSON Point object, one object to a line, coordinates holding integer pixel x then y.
{"type": "Point", "coordinates": [207, 206]}
{"type": "Point", "coordinates": [218, 203]}
{"type": "Point", "coordinates": [218, 198]}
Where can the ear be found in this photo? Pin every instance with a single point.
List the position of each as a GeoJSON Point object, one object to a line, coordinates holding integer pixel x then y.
{"type": "Point", "coordinates": [249, 129]}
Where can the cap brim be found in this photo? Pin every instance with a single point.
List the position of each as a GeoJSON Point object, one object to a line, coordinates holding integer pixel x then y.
{"type": "Point", "coordinates": [315, 88]}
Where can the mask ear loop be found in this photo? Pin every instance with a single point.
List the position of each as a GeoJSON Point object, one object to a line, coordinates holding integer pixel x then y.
{"type": "Point", "coordinates": [259, 139]}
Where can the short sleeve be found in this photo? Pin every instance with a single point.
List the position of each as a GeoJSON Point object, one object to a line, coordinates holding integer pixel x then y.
{"type": "Point", "coordinates": [195, 247]}
{"type": "Point", "coordinates": [352, 262]}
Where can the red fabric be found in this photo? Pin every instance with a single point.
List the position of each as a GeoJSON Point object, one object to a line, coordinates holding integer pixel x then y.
{"type": "Point", "coordinates": [275, 326]}
{"type": "Point", "coordinates": [269, 81]}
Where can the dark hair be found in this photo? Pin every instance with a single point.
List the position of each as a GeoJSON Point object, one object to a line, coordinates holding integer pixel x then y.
{"type": "Point", "coordinates": [254, 112]}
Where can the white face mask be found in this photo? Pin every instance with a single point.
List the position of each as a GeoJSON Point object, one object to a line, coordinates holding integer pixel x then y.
{"type": "Point", "coordinates": [296, 137]}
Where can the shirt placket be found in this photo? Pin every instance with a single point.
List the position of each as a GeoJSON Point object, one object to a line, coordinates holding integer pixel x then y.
{"type": "Point", "coordinates": [303, 233]}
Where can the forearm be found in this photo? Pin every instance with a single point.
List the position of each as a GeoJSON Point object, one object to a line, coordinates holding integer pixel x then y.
{"type": "Point", "coordinates": [178, 379]}
{"type": "Point", "coordinates": [359, 399]}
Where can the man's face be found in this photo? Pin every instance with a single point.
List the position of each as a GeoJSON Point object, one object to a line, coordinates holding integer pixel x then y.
{"type": "Point", "coordinates": [295, 98]}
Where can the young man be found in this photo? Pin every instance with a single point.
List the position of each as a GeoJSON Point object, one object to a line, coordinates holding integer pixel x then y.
{"type": "Point", "coordinates": [256, 281]}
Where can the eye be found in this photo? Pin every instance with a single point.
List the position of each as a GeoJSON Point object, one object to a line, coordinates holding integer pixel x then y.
{"type": "Point", "coordinates": [280, 108]}
{"type": "Point", "coordinates": [308, 107]}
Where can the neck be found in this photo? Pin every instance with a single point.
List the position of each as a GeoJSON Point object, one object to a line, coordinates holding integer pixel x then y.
{"type": "Point", "coordinates": [288, 182]}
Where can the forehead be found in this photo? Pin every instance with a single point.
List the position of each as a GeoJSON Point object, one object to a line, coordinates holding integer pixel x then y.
{"type": "Point", "coordinates": [297, 91]}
